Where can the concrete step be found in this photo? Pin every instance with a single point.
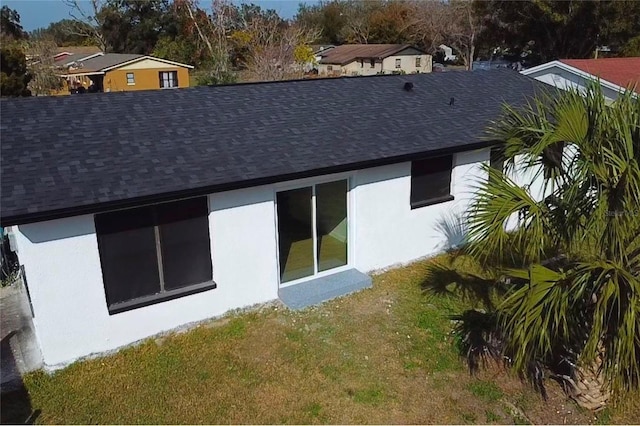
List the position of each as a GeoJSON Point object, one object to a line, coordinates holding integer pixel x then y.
{"type": "Point", "coordinates": [319, 290]}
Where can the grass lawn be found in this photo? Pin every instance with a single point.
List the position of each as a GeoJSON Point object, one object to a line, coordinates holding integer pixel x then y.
{"type": "Point", "coordinates": [384, 355]}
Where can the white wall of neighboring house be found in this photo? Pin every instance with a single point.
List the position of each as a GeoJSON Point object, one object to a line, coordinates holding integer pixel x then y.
{"type": "Point", "coordinates": [564, 79]}
{"type": "Point", "coordinates": [64, 277]}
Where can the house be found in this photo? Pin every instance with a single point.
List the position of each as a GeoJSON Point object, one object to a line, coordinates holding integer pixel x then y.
{"type": "Point", "coordinates": [109, 72]}
{"type": "Point", "coordinates": [172, 207]}
{"type": "Point", "coordinates": [371, 59]}
{"type": "Point", "coordinates": [68, 54]}
{"type": "Point", "coordinates": [615, 74]}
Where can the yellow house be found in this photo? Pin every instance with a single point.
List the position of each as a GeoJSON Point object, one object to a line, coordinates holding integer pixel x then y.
{"type": "Point", "coordinates": [118, 72]}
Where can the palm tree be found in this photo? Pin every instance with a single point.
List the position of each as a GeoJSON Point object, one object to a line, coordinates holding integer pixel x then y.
{"type": "Point", "coordinates": [566, 258]}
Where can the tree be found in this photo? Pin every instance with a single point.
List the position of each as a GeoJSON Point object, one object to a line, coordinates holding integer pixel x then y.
{"type": "Point", "coordinates": [545, 30]}
{"type": "Point", "coordinates": [61, 34]}
{"type": "Point", "coordinates": [462, 30]}
{"type": "Point", "coordinates": [13, 64]}
{"type": "Point", "coordinates": [87, 24]}
{"type": "Point", "coordinates": [275, 49]}
{"type": "Point", "coordinates": [41, 67]}
{"type": "Point", "coordinates": [329, 16]}
{"type": "Point", "coordinates": [10, 24]}
{"type": "Point", "coordinates": [135, 26]}
{"type": "Point", "coordinates": [567, 278]}
{"type": "Point", "coordinates": [214, 32]}
{"type": "Point", "coordinates": [13, 72]}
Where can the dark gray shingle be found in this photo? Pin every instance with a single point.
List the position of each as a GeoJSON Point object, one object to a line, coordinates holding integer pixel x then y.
{"type": "Point", "coordinates": [86, 153]}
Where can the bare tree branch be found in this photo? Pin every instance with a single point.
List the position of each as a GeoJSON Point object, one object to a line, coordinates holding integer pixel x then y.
{"type": "Point", "coordinates": [87, 24]}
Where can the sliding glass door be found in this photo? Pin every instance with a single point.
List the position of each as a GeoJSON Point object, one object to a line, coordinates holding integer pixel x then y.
{"type": "Point", "coordinates": [312, 229]}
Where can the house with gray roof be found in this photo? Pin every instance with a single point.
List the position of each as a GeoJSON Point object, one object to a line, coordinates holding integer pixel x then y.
{"type": "Point", "coordinates": [171, 207]}
{"type": "Point", "coordinates": [372, 59]}
{"type": "Point", "coordinates": [119, 72]}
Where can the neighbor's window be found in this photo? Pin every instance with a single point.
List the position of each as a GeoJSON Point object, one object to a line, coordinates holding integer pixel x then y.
{"type": "Point", "coordinates": [373, 63]}
{"type": "Point", "coordinates": [418, 62]}
{"type": "Point", "coordinates": [168, 79]}
{"type": "Point", "coordinates": [130, 79]}
{"type": "Point", "coordinates": [329, 68]}
{"type": "Point", "coordinates": [398, 63]}
{"type": "Point", "coordinates": [361, 63]}
{"type": "Point", "coordinates": [154, 253]}
{"type": "Point", "coordinates": [496, 159]}
{"type": "Point", "coordinates": [431, 181]}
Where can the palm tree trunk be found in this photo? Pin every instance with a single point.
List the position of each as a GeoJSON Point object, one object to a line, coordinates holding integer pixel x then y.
{"type": "Point", "coordinates": [588, 387]}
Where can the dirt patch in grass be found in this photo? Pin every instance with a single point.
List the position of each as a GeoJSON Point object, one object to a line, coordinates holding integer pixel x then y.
{"type": "Point", "coordinates": [383, 355]}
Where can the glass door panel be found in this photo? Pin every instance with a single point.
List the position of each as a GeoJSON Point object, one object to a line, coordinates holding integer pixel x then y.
{"type": "Point", "coordinates": [295, 234]}
{"type": "Point", "coordinates": [331, 224]}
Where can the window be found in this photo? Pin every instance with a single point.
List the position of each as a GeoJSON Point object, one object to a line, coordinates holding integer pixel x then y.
{"type": "Point", "coordinates": [329, 68]}
{"type": "Point", "coordinates": [373, 63]}
{"type": "Point", "coordinates": [496, 159]}
{"type": "Point", "coordinates": [361, 63]}
{"type": "Point", "coordinates": [398, 63]}
{"type": "Point", "coordinates": [154, 253]}
{"type": "Point", "coordinates": [418, 62]}
{"type": "Point", "coordinates": [130, 79]}
{"type": "Point", "coordinates": [168, 79]}
{"type": "Point", "coordinates": [431, 181]}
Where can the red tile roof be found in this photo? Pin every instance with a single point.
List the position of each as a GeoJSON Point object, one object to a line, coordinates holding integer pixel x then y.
{"type": "Point", "coordinates": [620, 71]}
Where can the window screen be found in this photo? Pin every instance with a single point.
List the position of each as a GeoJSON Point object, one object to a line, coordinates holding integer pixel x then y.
{"type": "Point", "coordinates": [431, 181]}
{"type": "Point", "coordinates": [184, 239]}
{"type": "Point", "coordinates": [154, 250]}
{"type": "Point", "coordinates": [128, 254]}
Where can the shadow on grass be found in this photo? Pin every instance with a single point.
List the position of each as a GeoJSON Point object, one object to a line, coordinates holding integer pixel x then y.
{"type": "Point", "coordinates": [15, 403]}
{"type": "Point", "coordinates": [452, 276]}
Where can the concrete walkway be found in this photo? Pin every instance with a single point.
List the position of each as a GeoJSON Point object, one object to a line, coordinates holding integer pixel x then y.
{"type": "Point", "coordinates": [19, 351]}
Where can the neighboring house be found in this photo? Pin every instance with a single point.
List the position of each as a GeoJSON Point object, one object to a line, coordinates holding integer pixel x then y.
{"type": "Point", "coordinates": [318, 50]}
{"type": "Point", "coordinates": [371, 59]}
{"type": "Point", "coordinates": [148, 211]}
{"type": "Point", "coordinates": [615, 74]}
{"type": "Point", "coordinates": [115, 72]}
{"type": "Point", "coordinates": [67, 54]}
{"type": "Point", "coordinates": [448, 52]}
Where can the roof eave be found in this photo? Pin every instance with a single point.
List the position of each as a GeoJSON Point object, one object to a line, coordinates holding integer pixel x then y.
{"type": "Point", "coordinates": [26, 218]}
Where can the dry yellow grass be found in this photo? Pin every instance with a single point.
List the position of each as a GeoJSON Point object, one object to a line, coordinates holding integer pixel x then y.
{"type": "Point", "coordinates": [384, 356]}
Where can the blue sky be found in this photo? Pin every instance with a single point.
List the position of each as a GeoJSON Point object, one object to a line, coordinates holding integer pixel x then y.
{"type": "Point", "coordinates": [40, 13]}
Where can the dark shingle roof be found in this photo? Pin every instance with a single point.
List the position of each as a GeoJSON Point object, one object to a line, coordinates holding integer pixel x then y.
{"type": "Point", "coordinates": [105, 61]}
{"type": "Point", "coordinates": [348, 53]}
{"type": "Point", "coordinates": [86, 153]}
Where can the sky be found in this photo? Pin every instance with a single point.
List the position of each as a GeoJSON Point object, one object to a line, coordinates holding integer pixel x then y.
{"type": "Point", "coordinates": [40, 13]}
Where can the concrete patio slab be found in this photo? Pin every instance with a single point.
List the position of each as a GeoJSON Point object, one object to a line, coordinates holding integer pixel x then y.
{"type": "Point", "coordinates": [319, 290]}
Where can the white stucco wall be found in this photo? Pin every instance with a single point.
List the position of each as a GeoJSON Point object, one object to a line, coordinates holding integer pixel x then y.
{"type": "Point", "coordinates": [64, 276]}
{"type": "Point", "coordinates": [407, 64]}
{"type": "Point", "coordinates": [388, 231]}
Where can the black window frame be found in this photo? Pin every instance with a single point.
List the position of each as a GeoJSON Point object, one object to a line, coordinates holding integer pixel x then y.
{"type": "Point", "coordinates": [398, 63]}
{"type": "Point", "coordinates": [418, 62]}
{"type": "Point", "coordinates": [428, 169]}
{"type": "Point", "coordinates": [164, 294]}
